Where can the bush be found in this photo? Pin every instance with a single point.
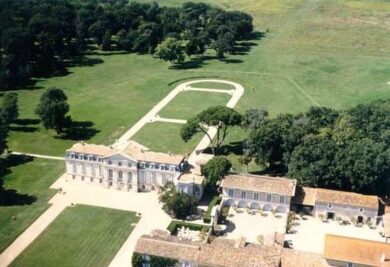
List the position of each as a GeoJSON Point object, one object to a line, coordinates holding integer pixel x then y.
{"type": "Point", "coordinates": [214, 201]}
{"type": "Point", "coordinates": [175, 225]}
{"type": "Point", "coordinates": [155, 261]}
{"type": "Point", "coordinates": [178, 205]}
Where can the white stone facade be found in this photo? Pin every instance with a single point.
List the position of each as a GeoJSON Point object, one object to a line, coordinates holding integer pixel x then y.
{"type": "Point", "coordinates": [121, 171]}
{"type": "Point", "coordinates": [256, 200]}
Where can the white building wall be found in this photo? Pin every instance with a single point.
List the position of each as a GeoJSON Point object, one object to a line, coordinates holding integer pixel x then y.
{"type": "Point", "coordinates": [264, 201]}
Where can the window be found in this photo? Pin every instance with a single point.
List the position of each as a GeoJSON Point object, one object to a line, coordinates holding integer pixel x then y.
{"type": "Point", "coordinates": [73, 177]}
{"type": "Point", "coordinates": [142, 165]}
{"type": "Point", "coordinates": [76, 156]}
{"type": "Point", "coordinates": [281, 200]}
{"type": "Point", "coordinates": [256, 196]}
{"type": "Point", "coordinates": [110, 174]}
{"type": "Point", "coordinates": [350, 264]}
{"type": "Point", "coordinates": [185, 264]}
{"type": "Point", "coordinates": [230, 192]}
{"type": "Point", "coordinates": [129, 177]}
{"type": "Point", "coordinates": [91, 179]}
{"type": "Point", "coordinates": [329, 206]}
{"type": "Point", "coordinates": [269, 198]}
{"type": "Point", "coordinates": [109, 162]}
{"type": "Point", "coordinates": [243, 194]}
{"type": "Point", "coordinates": [172, 168]}
{"type": "Point", "coordinates": [145, 261]}
{"type": "Point", "coordinates": [82, 178]}
{"type": "Point", "coordinates": [361, 210]}
{"type": "Point", "coordinates": [166, 167]}
{"type": "Point", "coordinates": [120, 175]}
{"type": "Point", "coordinates": [147, 165]}
{"type": "Point", "coordinates": [85, 157]}
{"type": "Point", "coordinates": [119, 163]}
{"type": "Point", "coordinates": [129, 164]}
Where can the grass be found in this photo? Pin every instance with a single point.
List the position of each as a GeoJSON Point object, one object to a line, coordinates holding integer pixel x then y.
{"type": "Point", "coordinates": [212, 85]}
{"type": "Point", "coordinates": [331, 53]}
{"type": "Point", "coordinates": [32, 178]}
{"type": "Point", "coordinates": [80, 236]}
{"type": "Point", "coordinates": [187, 104]}
{"type": "Point", "coordinates": [164, 137]}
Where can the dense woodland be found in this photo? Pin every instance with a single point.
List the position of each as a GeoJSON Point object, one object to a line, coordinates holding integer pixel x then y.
{"type": "Point", "coordinates": [39, 37]}
{"type": "Point", "coordinates": [348, 149]}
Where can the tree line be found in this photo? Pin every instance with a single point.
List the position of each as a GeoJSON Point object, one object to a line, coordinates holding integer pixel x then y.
{"type": "Point", "coordinates": [39, 37]}
{"type": "Point", "coordinates": [347, 149]}
{"type": "Point", "coordinates": [323, 147]}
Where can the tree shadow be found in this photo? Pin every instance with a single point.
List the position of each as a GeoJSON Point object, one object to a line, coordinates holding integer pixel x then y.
{"type": "Point", "coordinates": [26, 121]}
{"type": "Point", "coordinates": [83, 61]}
{"type": "Point", "coordinates": [255, 35]}
{"type": "Point", "coordinates": [11, 197]}
{"type": "Point", "coordinates": [22, 125]}
{"type": "Point", "coordinates": [192, 64]}
{"type": "Point", "coordinates": [232, 60]}
{"type": "Point", "coordinates": [78, 130]}
{"type": "Point", "coordinates": [25, 129]}
{"type": "Point", "coordinates": [106, 53]}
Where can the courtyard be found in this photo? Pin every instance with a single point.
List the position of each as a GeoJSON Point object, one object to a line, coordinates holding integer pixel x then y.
{"type": "Point", "coordinates": [243, 223]}
{"type": "Point", "coordinates": [303, 237]}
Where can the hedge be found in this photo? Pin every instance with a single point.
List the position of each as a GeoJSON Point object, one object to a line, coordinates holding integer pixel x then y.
{"type": "Point", "coordinates": [175, 225]}
{"type": "Point", "coordinates": [155, 261]}
{"type": "Point", "coordinates": [214, 201]}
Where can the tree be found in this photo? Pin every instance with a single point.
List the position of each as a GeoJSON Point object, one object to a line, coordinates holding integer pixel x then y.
{"type": "Point", "coordinates": [52, 109]}
{"type": "Point", "coordinates": [254, 118]}
{"type": "Point", "coordinates": [220, 117]}
{"type": "Point", "coordinates": [170, 50]}
{"type": "Point", "coordinates": [223, 44]}
{"type": "Point", "coordinates": [214, 170]}
{"type": "Point", "coordinates": [178, 205]}
{"type": "Point", "coordinates": [9, 109]}
{"type": "Point", "coordinates": [313, 163]}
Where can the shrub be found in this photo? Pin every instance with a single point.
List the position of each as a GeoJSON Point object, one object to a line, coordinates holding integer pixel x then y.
{"type": "Point", "coordinates": [175, 225]}
{"type": "Point", "coordinates": [214, 201]}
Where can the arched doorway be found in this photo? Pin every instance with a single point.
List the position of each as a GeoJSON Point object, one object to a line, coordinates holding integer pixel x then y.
{"type": "Point", "coordinates": [242, 204]}
{"type": "Point", "coordinates": [255, 206]}
{"type": "Point", "coordinates": [267, 207]}
{"type": "Point", "coordinates": [281, 209]}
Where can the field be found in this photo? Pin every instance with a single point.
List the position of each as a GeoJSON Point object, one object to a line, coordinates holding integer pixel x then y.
{"type": "Point", "coordinates": [33, 179]}
{"type": "Point", "coordinates": [187, 104]}
{"type": "Point", "coordinates": [212, 85]}
{"type": "Point", "coordinates": [164, 137]}
{"type": "Point", "coordinates": [328, 52]}
{"type": "Point", "coordinates": [80, 236]}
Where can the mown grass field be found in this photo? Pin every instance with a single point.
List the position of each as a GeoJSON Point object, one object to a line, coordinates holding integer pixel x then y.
{"type": "Point", "coordinates": [165, 137]}
{"type": "Point", "coordinates": [187, 104]}
{"type": "Point", "coordinates": [34, 179]}
{"type": "Point", "coordinates": [327, 52]}
{"type": "Point", "coordinates": [213, 85]}
{"type": "Point", "coordinates": [80, 236]}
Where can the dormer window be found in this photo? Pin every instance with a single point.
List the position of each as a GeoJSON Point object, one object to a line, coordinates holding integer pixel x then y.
{"type": "Point", "coordinates": [85, 157]}
{"type": "Point", "coordinates": [76, 156]}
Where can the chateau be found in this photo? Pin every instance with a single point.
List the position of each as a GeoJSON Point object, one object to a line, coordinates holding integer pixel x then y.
{"type": "Point", "coordinates": [133, 168]}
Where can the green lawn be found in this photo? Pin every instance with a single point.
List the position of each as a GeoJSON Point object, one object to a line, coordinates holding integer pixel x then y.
{"type": "Point", "coordinates": [80, 236]}
{"type": "Point", "coordinates": [33, 178]}
{"type": "Point", "coordinates": [212, 85]}
{"type": "Point", "coordinates": [165, 137]}
{"type": "Point", "coordinates": [187, 104]}
{"type": "Point", "coordinates": [326, 52]}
